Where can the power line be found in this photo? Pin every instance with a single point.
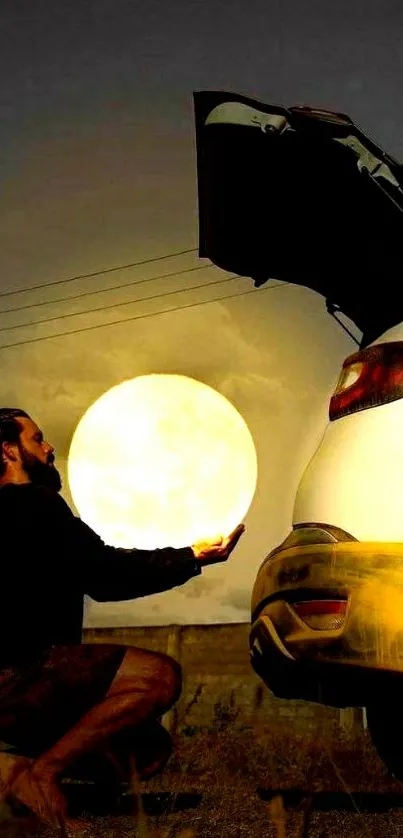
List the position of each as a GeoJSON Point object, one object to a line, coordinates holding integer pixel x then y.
{"type": "Point", "coordinates": [102, 290]}
{"type": "Point", "coordinates": [141, 316]}
{"type": "Point", "coordinates": [115, 305]}
{"type": "Point", "coordinates": [101, 272]}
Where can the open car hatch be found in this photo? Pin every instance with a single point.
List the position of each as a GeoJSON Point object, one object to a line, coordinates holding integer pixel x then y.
{"type": "Point", "coordinates": [301, 195]}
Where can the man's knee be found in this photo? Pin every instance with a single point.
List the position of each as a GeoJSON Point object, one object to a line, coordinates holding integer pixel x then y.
{"type": "Point", "coordinates": [154, 671]}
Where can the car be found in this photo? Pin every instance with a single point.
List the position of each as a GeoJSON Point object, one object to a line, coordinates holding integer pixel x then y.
{"type": "Point", "coordinates": [303, 195]}
{"type": "Point", "coordinates": [332, 593]}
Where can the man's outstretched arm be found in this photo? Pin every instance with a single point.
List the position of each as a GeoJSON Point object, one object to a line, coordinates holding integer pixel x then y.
{"type": "Point", "coordinates": [114, 573]}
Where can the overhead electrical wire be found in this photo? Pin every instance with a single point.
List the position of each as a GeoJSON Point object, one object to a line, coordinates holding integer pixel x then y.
{"type": "Point", "coordinates": [102, 290]}
{"type": "Point", "coordinates": [101, 272]}
{"type": "Point", "coordinates": [142, 316]}
{"type": "Point", "coordinates": [116, 304]}
{"type": "Point", "coordinates": [115, 269]}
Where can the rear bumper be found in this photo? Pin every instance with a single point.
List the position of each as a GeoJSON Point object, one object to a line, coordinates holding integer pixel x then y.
{"type": "Point", "coordinates": [337, 666]}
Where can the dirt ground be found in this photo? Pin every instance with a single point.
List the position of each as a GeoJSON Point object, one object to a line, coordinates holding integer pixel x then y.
{"type": "Point", "coordinates": [235, 813]}
{"type": "Point", "coordinates": [218, 784]}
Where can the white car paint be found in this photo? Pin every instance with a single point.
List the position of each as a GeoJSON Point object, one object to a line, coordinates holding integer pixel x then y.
{"type": "Point", "coordinates": [355, 479]}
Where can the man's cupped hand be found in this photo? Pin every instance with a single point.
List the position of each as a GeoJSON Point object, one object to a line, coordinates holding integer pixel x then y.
{"type": "Point", "coordinates": [218, 549]}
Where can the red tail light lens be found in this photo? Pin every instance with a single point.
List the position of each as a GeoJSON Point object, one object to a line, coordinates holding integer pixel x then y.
{"type": "Point", "coordinates": [322, 614]}
{"type": "Point", "coordinates": [371, 377]}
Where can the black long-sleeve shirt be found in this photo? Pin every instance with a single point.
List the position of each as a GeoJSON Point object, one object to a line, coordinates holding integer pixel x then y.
{"type": "Point", "coordinates": [50, 559]}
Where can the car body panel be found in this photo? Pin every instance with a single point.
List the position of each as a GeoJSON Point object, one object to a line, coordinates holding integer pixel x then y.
{"type": "Point", "coordinates": [369, 576]}
{"type": "Point", "coordinates": [354, 479]}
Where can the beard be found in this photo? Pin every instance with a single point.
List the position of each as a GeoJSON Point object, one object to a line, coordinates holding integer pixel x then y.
{"type": "Point", "coordinates": [42, 474]}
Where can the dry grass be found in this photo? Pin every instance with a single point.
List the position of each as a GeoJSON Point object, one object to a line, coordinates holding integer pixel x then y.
{"type": "Point", "coordinates": [227, 765]}
{"type": "Point", "coordinates": [230, 764]}
{"type": "Point", "coordinates": [278, 757]}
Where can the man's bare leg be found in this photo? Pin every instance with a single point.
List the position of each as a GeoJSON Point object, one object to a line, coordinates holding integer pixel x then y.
{"type": "Point", "coordinates": [150, 744]}
{"type": "Point", "coordinates": [10, 767]}
{"type": "Point", "coordinates": [145, 686]}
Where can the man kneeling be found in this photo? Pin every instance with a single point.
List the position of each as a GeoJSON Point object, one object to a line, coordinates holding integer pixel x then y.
{"type": "Point", "coordinates": [59, 698]}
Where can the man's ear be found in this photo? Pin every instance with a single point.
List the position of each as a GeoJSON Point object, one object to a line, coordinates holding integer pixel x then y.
{"type": "Point", "coordinates": [9, 452]}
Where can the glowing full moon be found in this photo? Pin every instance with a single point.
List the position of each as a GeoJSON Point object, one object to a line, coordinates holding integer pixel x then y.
{"type": "Point", "coordinates": [162, 460]}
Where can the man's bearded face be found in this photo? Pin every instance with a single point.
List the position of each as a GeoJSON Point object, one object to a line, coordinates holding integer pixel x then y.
{"type": "Point", "coordinates": [39, 472]}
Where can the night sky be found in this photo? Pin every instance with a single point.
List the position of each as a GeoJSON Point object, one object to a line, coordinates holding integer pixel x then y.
{"type": "Point", "coordinates": [98, 169]}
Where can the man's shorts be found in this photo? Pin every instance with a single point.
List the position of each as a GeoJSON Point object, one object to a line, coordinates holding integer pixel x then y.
{"type": "Point", "coordinates": [43, 699]}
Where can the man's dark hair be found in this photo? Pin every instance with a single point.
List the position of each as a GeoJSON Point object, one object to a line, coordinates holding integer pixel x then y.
{"type": "Point", "coordinates": [10, 428]}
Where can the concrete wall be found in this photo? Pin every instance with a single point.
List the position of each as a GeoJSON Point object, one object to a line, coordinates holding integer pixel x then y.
{"type": "Point", "coordinates": [219, 684]}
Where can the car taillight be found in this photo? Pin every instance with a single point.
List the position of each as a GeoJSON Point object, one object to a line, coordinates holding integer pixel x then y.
{"type": "Point", "coordinates": [322, 614]}
{"type": "Point", "coordinates": [371, 377]}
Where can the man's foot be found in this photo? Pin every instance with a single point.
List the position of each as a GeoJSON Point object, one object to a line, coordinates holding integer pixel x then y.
{"type": "Point", "coordinates": [149, 744]}
{"type": "Point", "coordinates": [10, 767]}
{"type": "Point", "coordinates": [153, 750]}
{"type": "Point", "coordinates": [153, 768]}
{"type": "Point", "coordinates": [40, 794]}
